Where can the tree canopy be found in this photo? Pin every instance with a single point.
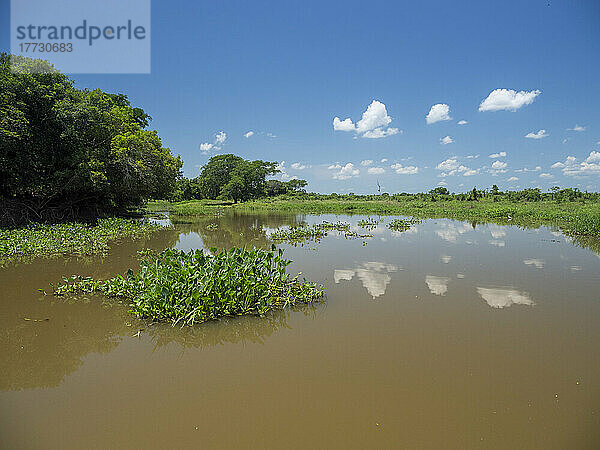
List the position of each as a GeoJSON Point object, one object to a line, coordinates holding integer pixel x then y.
{"type": "Point", "coordinates": [65, 148]}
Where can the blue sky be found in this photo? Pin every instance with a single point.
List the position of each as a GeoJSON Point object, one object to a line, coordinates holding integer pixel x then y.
{"type": "Point", "coordinates": [284, 71]}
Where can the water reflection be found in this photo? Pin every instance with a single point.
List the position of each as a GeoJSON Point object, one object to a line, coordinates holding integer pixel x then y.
{"type": "Point", "coordinates": [232, 230]}
{"type": "Point", "coordinates": [373, 275]}
{"type": "Point", "coordinates": [536, 262]}
{"type": "Point", "coordinates": [234, 330]}
{"type": "Point", "coordinates": [504, 297]}
{"type": "Point", "coordinates": [437, 285]}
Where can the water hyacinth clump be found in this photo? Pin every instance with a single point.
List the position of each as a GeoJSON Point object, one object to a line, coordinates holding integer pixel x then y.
{"type": "Point", "coordinates": [304, 232]}
{"type": "Point", "coordinates": [72, 238]}
{"type": "Point", "coordinates": [187, 288]}
{"type": "Point", "coordinates": [401, 224]}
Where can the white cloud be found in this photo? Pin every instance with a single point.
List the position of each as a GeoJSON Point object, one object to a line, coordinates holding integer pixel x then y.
{"type": "Point", "coordinates": [571, 167]}
{"type": "Point", "coordinates": [498, 155]}
{"type": "Point", "coordinates": [446, 140]}
{"type": "Point", "coordinates": [539, 135]}
{"type": "Point", "coordinates": [401, 170]}
{"type": "Point", "coordinates": [384, 160]}
{"type": "Point", "coordinates": [499, 165]}
{"type": "Point", "coordinates": [249, 134]}
{"type": "Point", "coordinates": [437, 113]}
{"type": "Point", "coordinates": [334, 167]}
{"type": "Point", "coordinates": [576, 128]}
{"type": "Point", "coordinates": [442, 183]}
{"type": "Point", "coordinates": [299, 166]}
{"type": "Point", "coordinates": [271, 135]}
{"type": "Point", "coordinates": [462, 122]}
{"type": "Point", "coordinates": [546, 175]}
{"type": "Point", "coordinates": [379, 133]}
{"type": "Point", "coordinates": [372, 125]}
{"type": "Point", "coordinates": [345, 172]}
{"type": "Point", "coordinates": [451, 167]}
{"type": "Point", "coordinates": [343, 125]}
{"type": "Point", "coordinates": [366, 162]}
{"type": "Point", "coordinates": [507, 99]}
{"type": "Point", "coordinates": [513, 179]}
{"type": "Point", "coordinates": [376, 170]}
{"type": "Point", "coordinates": [536, 169]}
{"type": "Point", "coordinates": [220, 138]}
{"type": "Point", "coordinates": [472, 156]}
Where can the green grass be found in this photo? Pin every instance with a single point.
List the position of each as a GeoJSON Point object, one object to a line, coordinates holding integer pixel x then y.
{"type": "Point", "coordinates": [178, 287]}
{"type": "Point", "coordinates": [573, 218]}
{"type": "Point", "coordinates": [38, 240]}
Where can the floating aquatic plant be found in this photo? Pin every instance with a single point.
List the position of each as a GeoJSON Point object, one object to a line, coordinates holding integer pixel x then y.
{"type": "Point", "coordinates": [67, 238]}
{"type": "Point", "coordinates": [178, 287]}
{"type": "Point", "coordinates": [401, 224]}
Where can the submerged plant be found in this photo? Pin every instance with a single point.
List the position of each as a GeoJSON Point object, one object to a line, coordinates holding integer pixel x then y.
{"type": "Point", "coordinates": [178, 287]}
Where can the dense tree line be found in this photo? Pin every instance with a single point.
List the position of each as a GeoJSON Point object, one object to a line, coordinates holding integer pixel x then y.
{"type": "Point", "coordinates": [66, 152]}
{"type": "Point", "coordinates": [231, 177]}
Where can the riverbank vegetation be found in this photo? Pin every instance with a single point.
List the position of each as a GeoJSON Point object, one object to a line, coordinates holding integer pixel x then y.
{"type": "Point", "coordinates": [187, 288]}
{"type": "Point", "coordinates": [573, 211]}
{"type": "Point", "coordinates": [37, 240]}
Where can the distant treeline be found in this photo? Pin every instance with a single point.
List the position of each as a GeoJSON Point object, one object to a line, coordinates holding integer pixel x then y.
{"type": "Point", "coordinates": [230, 177]}
{"type": "Point", "coordinates": [68, 153]}
{"type": "Point", "coordinates": [493, 194]}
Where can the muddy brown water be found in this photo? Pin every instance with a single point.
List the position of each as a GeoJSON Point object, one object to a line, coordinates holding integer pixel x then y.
{"type": "Point", "coordinates": [449, 335]}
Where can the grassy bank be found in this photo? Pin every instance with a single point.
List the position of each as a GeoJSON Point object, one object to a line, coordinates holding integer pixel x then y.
{"type": "Point", "coordinates": [186, 288]}
{"type": "Point", "coordinates": [38, 240]}
{"type": "Point", "coordinates": [574, 218]}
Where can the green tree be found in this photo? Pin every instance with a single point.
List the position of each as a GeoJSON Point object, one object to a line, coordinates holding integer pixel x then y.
{"type": "Point", "coordinates": [74, 150]}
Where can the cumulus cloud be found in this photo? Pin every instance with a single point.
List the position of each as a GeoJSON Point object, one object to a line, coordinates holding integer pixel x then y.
{"type": "Point", "coordinates": [446, 140]}
{"type": "Point", "coordinates": [249, 134]}
{"type": "Point", "coordinates": [344, 172]}
{"type": "Point", "coordinates": [499, 165]}
{"type": "Point", "coordinates": [536, 169]}
{"type": "Point", "coordinates": [384, 160]}
{"type": "Point", "coordinates": [220, 139]}
{"type": "Point", "coordinates": [379, 133]}
{"type": "Point", "coordinates": [376, 170]}
{"type": "Point", "coordinates": [462, 122]}
{"type": "Point", "coordinates": [470, 172]}
{"type": "Point", "coordinates": [576, 128]}
{"type": "Point", "coordinates": [373, 124]}
{"type": "Point", "coordinates": [404, 170]}
{"type": "Point", "coordinates": [366, 162]}
{"type": "Point", "coordinates": [546, 175]}
{"type": "Point", "coordinates": [507, 99]}
{"type": "Point", "coordinates": [572, 167]}
{"type": "Point", "coordinates": [299, 166]}
{"type": "Point", "coordinates": [343, 125]}
{"type": "Point", "coordinates": [437, 113]}
{"type": "Point", "coordinates": [539, 135]}
{"type": "Point", "coordinates": [513, 179]}
{"type": "Point", "coordinates": [498, 155]}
